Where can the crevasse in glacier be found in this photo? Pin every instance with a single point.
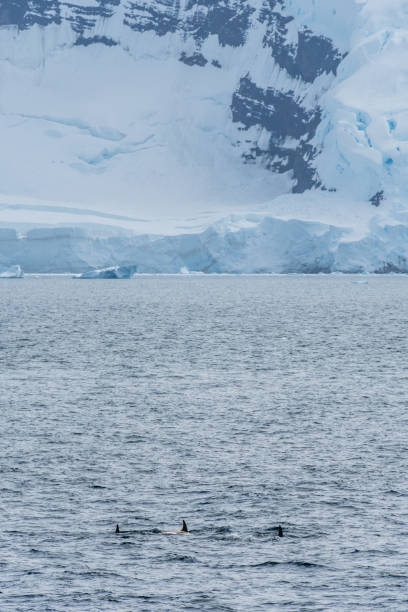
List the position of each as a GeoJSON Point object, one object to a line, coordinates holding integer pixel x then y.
{"type": "Point", "coordinates": [363, 135]}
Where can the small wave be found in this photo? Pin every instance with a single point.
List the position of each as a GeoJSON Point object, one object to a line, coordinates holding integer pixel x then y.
{"type": "Point", "coordinates": [111, 599]}
{"type": "Point", "coordinates": [180, 558]}
{"type": "Point", "coordinates": [295, 563]}
{"type": "Point", "coordinates": [36, 551]}
{"type": "Point", "coordinates": [135, 439]}
{"type": "Point", "coordinates": [222, 529]}
{"type": "Point", "coordinates": [98, 574]}
{"type": "Point", "coordinates": [391, 575]}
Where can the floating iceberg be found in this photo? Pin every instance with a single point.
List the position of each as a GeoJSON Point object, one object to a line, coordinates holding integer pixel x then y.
{"type": "Point", "coordinates": [109, 273]}
{"type": "Point", "coordinates": [11, 272]}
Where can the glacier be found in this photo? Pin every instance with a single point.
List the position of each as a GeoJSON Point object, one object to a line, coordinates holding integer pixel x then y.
{"type": "Point", "coordinates": [211, 136]}
{"type": "Point", "coordinates": [288, 237]}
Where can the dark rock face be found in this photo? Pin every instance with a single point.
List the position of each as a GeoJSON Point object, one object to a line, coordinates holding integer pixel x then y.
{"type": "Point", "coordinates": [284, 118]}
{"type": "Point", "coordinates": [278, 112]}
{"type": "Point", "coordinates": [283, 114]}
{"type": "Point", "coordinates": [315, 55]}
{"type": "Point", "coordinates": [12, 12]}
{"type": "Point", "coordinates": [83, 18]}
{"type": "Point", "coordinates": [229, 20]}
{"type": "Point", "coordinates": [85, 41]}
{"type": "Point", "coordinates": [309, 58]}
{"type": "Point", "coordinates": [197, 59]}
{"type": "Point", "coordinates": [377, 198]}
{"type": "Point", "coordinates": [161, 16]}
{"type": "Point", "coordinates": [26, 13]}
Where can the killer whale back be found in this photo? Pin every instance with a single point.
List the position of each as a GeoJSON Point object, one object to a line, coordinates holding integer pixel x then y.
{"type": "Point", "coordinates": [117, 529]}
{"type": "Point", "coordinates": [280, 532]}
{"type": "Point", "coordinates": [184, 528]}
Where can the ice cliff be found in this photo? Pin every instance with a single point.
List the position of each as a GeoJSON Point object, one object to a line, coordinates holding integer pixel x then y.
{"type": "Point", "coordinates": [131, 127]}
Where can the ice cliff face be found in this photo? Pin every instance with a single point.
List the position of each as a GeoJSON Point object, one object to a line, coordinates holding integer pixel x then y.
{"type": "Point", "coordinates": [128, 112]}
{"type": "Point", "coordinates": [252, 243]}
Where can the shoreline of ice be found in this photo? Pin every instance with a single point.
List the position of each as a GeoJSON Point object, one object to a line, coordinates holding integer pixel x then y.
{"type": "Point", "coordinates": [309, 233]}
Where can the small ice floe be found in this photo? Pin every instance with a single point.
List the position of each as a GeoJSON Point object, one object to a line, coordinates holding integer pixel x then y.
{"type": "Point", "coordinates": [186, 271]}
{"type": "Point", "coordinates": [360, 282]}
{"type": "Point", "coordinates": [11, 272]}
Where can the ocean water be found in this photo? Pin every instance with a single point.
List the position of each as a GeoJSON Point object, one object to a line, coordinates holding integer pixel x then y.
{"type": "Point", "coordinates": [235, 403]}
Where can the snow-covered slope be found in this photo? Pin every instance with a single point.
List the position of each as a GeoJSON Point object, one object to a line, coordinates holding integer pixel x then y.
{"type": "Point", "coordinates": [151, 107]}
{"type": "Point", "coordinates": [363, 135]}
{"type": "Point", "coordinates": [125, 120]}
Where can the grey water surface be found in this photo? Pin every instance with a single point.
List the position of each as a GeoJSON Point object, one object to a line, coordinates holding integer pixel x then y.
{"type": "Point", "coordinates": [235, 403]}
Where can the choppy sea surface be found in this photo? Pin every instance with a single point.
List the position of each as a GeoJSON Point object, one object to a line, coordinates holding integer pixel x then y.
{"type": "Point", "coordinates": [235, 403]}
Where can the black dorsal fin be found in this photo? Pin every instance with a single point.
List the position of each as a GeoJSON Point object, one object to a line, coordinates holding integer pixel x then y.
{"type": "Point", "coordinates": [184, 528]}
{"type": "Point", "coordinates": [117, 529]}
{"type": "Point", "coordinates": [280, 532]}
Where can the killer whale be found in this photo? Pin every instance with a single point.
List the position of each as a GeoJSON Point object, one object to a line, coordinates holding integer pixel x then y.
{"type": "Point", "coordinates": [184, 529]}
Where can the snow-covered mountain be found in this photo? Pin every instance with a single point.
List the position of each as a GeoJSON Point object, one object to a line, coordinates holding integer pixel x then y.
{"type": "Point", "coordinates": [127, 122]}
